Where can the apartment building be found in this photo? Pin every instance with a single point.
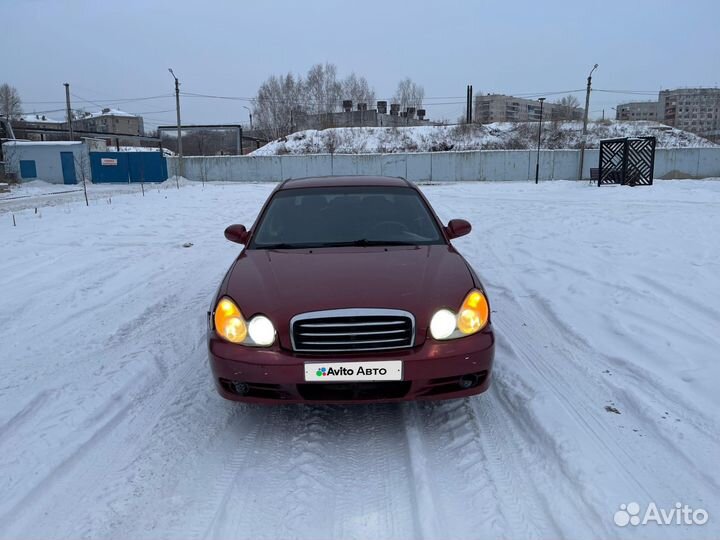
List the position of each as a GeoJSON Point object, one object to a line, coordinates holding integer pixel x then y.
{"type": "Point", "coordinates": [503, 108]}
{"type": "Point", "coordinates": [692, 109]}
{"type": "Point", "coordinates": [639, 110]}
{"type": "Point", "coordinates": [111, 121]}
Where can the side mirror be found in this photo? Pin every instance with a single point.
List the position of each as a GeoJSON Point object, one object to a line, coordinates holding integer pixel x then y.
{"type": "Point", "coordinates": [237, 233]}
{"type": "Point", "coordinates": [457, 228]}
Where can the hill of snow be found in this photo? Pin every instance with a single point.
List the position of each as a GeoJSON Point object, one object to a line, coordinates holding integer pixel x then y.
{"type": "Point", "coordinates": [497, 136]}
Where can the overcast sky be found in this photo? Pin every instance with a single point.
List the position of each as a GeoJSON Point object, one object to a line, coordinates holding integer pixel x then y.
{"type": "Point", "coordinates": [121, 49]}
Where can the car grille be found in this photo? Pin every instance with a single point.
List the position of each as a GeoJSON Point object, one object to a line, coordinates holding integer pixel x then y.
{"type": "Point", "coordinates": [348, 330]}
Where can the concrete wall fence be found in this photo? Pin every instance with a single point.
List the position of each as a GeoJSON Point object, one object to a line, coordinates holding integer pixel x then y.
{"type": "Point", "coordinates": [488, 165]}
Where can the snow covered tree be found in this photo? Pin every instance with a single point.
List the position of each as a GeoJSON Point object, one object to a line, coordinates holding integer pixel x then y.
{"type": "Point", "coordinates": [409, 94]}
{"type": "Point", "coordinates": [10, 102]}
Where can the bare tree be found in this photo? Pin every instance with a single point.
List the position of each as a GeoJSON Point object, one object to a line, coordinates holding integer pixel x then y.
{"type": "Point", "coordinates": [358, 90]}
{"type": "Point", "coordinates": [322, 89]}
{"type": "Point", "coordinates": [409, 94]}
{"type": "Point", "coordinates": [565, 108]}
{"type": "Point", "coordinates": [277, 105]}
{"type": "Point", "coordinates": [10, 102]}
{"type": "Point", "coordinates": [82, 168]}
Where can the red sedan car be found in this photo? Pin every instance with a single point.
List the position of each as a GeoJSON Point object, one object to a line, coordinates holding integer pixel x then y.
{"type": "Point", "coordinates": [349, 290]}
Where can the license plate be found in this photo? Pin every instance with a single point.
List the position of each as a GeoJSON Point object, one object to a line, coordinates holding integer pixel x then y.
{"type": "Point", "coordinates": [327, 372]}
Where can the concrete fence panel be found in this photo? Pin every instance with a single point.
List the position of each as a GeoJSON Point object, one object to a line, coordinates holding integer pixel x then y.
{"type": "Point", "coordinates": [392, 164]}
{"type": "Point", "coordinates": [708, 162]}
{"type": "Point", "coordinates": [419, 167]}
{"type": "Point", "coordinates": [368, 164]}
{"type": "Point", "coordinates": [494, 165]}
{"type": "Point", "coordinates": [565, 164]}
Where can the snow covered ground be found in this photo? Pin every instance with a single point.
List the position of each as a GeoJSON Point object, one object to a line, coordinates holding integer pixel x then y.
{"type": "Point", "coordinates": [496, 136]}
{"type": "Point", "coordinates": [606, 305]}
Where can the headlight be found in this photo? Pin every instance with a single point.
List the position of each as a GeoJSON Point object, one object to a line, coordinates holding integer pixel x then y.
{"type": "Point", "coordinates": [470, 319]}
{"type": "Point", "coordinates": [261, 331]}
{"type": "Point", "coordinates": [230, 325]}
{"type": "Point", "coordinates": [443, 323]}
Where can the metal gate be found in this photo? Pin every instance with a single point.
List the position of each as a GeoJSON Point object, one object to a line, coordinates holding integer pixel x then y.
{"type": "Point", "coordinates": [128, 167]}
{"type": "Point", "coordinates": [627, 161]}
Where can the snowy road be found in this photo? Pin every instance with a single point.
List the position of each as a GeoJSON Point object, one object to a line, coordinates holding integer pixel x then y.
{"type": "Point", "coordinates": [607, 307]}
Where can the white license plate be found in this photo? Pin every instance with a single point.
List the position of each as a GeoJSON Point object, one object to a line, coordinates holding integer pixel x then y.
{"type": "Point", "coordinates": [328, 372]}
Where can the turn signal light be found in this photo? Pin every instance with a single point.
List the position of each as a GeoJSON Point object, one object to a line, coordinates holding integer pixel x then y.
{"type": "Point", "coordinates": [229, 322]}
{"type": "Point", "coordinates": [473, 314]}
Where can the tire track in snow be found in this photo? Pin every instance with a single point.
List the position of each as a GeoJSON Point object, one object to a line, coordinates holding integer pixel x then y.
{"type": "Point", "coordinates": [572, 388]}
{"type": "Point", "coordinates": [108, 419]}
{"type": "Point", "coordinates": [374, 447]}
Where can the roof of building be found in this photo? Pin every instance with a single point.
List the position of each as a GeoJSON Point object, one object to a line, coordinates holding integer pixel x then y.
{"type": "Point", "coordinates": [41, 143]}
{"type": "Point", "coordinates": [36, 118]}
{"type": "Point", "coordinates": [108, 112]}
{"type": "Point", "coordinates": [338, 181]}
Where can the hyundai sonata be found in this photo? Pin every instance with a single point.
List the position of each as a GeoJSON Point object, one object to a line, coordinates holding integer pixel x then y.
{"type": "Point", "coordinates": [349, 289]}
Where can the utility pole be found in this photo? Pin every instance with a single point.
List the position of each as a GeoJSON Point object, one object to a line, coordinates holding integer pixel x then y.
{"type": "Point", "coordinates": [181, 165]}
{"type": "Point", "coordinates": [585, 121]}
{"type": "Point", "coordinates": [537, 164]}
{"type": "Point", "coordinates": [249, 113]}
{"type": "Point", "coordinates": [69, 111]}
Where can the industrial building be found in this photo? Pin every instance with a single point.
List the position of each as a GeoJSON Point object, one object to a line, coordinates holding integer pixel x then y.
{"type": "Point", "coordinates": [362, 117]}
{"type": "Point", "coordinates": [57, 162]}
{"type": "Point", "coordinates": [72, 162]}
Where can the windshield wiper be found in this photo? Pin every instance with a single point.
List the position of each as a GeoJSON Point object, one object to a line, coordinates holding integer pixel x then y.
{"type": "Point", "coordinates": [285, 245]}
{"type": "Point", "coordinates": [364, 242]}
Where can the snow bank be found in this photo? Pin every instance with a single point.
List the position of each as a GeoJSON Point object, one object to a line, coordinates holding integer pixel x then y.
{"type": "Point", "coordinates": [511, 136]}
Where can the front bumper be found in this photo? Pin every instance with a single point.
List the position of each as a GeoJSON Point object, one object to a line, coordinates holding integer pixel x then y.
{"type": "Point", "coordinates": [433, 370]}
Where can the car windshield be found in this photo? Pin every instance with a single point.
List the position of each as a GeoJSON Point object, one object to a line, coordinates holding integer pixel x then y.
{"type": "Point", "coordinates": [346, 216]}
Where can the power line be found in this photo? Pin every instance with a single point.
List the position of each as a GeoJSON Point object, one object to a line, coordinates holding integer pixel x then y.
{"type": "Point", "coordinates": [117, 100]}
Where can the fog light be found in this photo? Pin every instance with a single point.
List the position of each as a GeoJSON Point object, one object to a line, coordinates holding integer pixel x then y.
{"type": "Point", "coordinates": [468, 381]}
{"type": "Point", "coordinates": [240, 388]}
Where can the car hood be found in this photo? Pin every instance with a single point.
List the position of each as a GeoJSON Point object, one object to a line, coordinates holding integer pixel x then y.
{"type": "Point", "coordinates": [284, 283]}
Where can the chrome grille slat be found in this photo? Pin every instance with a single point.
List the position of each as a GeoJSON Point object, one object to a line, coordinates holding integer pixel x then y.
{"type": "Point", "coordinates": [318, 325]}
{"type": "Point", "coordinates": [316, 334]}
{"type": "Point", "coordinates": [367, 342]}
{"type": "Point", "coordinates": [350, 330]}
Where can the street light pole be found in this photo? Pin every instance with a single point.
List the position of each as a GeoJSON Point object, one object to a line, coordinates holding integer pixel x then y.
{"type": "Point", "coordinates": [250, 113]}
{"type": "Point", "coordinates": [537, 164]}
{"type": "Point", "coordinates": [585, 121]}
{"type": "Point", "coordinates": [181, 168]}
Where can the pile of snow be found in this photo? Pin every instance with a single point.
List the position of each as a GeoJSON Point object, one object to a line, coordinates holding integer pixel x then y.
{"type": "Point", "coordinates": [606, 306]}
{"type": "Point", "coordinates": [165, 151]}
{"type": "Point", "coordinates": [175, 181]}
{"type": "Point", "coordinates": [496, 136]}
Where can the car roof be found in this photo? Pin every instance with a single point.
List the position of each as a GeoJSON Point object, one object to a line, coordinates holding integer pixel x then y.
{"type": "Point", "coordinates": [337, 181]}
